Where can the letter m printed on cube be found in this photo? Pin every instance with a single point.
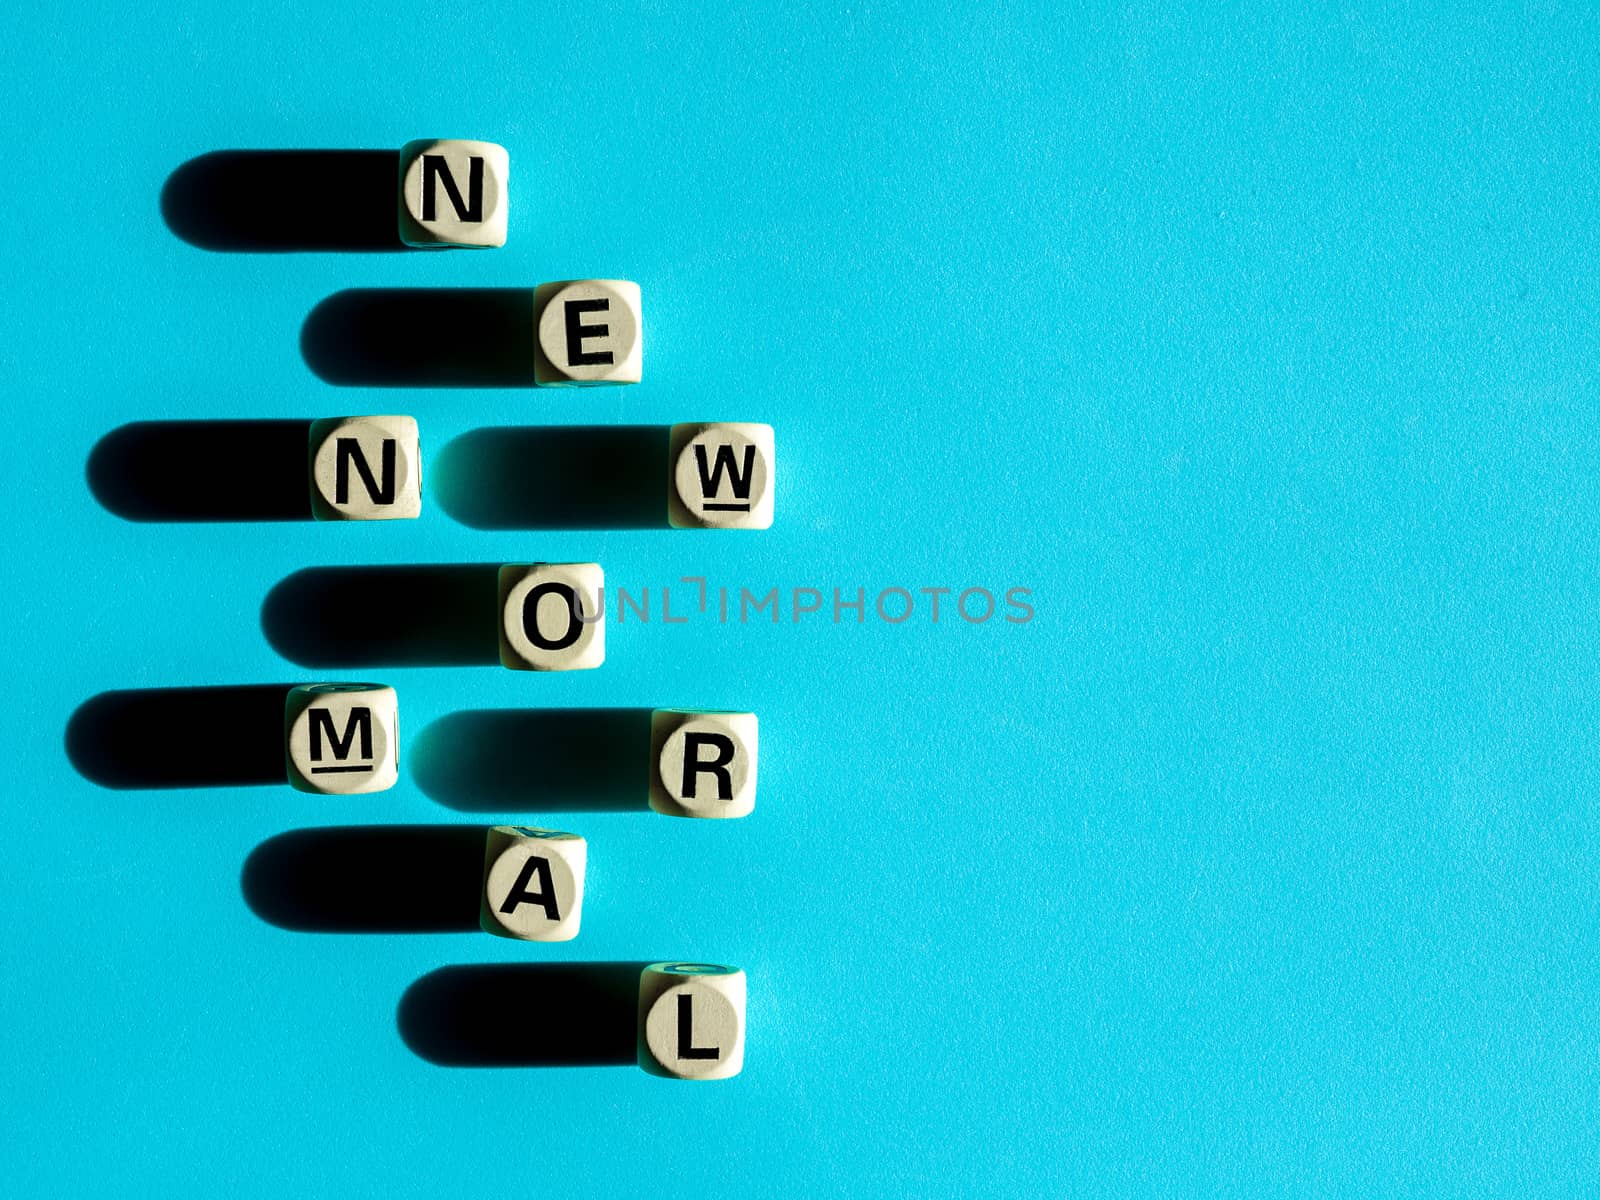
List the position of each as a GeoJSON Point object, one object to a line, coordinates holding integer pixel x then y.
{"type": "Point", "coordinates": [342, 738]}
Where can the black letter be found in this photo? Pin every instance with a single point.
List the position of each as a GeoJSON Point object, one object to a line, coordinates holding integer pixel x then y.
{"type": "Point", "coordinates": [738, 478]}
{"type": "Point", "coordinates": [434, 171]}
{"type": "Point", "coordinates": [530, 616]}
{"type": "Point", "coordinates": [576, 332]}
{"type": "Point", "coordinates": [347, 450]}
{"type": "Point", "coordinates": [360, 722]}
{"type": "Point", "coordinates": [545, 897]}
{"type": "Point", "coordinates": [692, 765]}
{"type": "Point", "coordinates": [686, 1046]}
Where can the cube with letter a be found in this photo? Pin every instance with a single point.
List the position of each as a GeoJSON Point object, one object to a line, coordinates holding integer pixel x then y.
{"type": "Point", "coordinates": [533, 883]}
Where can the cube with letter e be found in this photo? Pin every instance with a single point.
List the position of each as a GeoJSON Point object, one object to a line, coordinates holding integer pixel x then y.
{"type": "Point", "coordinates": [588, 331]}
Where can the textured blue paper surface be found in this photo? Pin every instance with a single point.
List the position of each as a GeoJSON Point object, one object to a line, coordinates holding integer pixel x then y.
{"type": "Point", "coordinates": [1260, 347]}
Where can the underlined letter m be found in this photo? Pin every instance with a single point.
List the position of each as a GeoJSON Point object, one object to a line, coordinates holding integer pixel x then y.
{"type": "Point", "coordinates": [359, 723]}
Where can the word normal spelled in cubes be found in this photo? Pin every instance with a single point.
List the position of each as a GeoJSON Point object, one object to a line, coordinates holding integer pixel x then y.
{"type": "Point", "coordinates": [691, 1020]}
{"type": "Point", "coordinates": [722, 476]}
{"type": "Point", "coordinates": [366, 469]}
{"type": "Point", "coordinates": [589, 331]}
{"type": "Point", "coordinates": [453, 193]}
{"type": "Point", "coordinates": [702, 764]}
{"type": "Point", "coordinates": [552, 616]}
{"type": "Point", "coordinates": [343, 737]}
{"type": "Point", "coordinates": [533, 883]}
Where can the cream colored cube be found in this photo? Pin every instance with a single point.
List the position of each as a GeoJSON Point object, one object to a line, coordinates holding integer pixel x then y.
{"type": "Point", "coordinates": [552, 616]}
{"type": "Point", "coordinates": [723, 474]}
{"type": "Point", "coordinates": [453, 193]}
{"type": "Point", "coordinates": [533, 883]}
{"type": "Point", "coordinates": [691, 1020]}
{"type": "Point", "coordinates": [590, 331]}
{"type": "Point", "coordinates": [342, 738]}
{"type": "Point", "coordinates": [702, 764]}
{"type": "Point", "coordinates": [366, 468]}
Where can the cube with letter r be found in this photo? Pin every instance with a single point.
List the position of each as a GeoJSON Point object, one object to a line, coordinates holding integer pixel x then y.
{"type": "Point", "coordinates": [702, 764]}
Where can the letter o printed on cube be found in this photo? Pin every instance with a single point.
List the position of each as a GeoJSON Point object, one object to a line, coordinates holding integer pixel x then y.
{"type": "Point", "coordinates": [589, 331]}
{"type": "Point", "coordinates": [366, 468]}
{"type": "Point", "coordinates": [533, 883]}
{"type": "Point", "coordinates": [342, 738]}
{"type": "Point", "coordinates": [552, 616]}
{"type": "Point", "coordinates": [691, 1020]}
{"type": "Point", "coordinates": [702, 764]}
{"type": "Point", "coordinates": [723, 476]}
{"type": "Point", "coordinates": [453, 193]}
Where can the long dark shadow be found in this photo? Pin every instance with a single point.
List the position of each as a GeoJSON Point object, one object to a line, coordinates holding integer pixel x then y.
{"type": "Point", "coordinates": [556, 477]}
{"type": "Point", "coordinates": [524, 1015]}
{"type": "Point", "coordinates": [368, 879]}
{"type": "Point", "coordinates": [269, 201]}
{"type": "Point", "coordinates": [422, 337]}
{"type": "Point", "coordinates": [181, 737]}
{"type": "Point", "coordinates": [426, 615]}
{"type": "Point", "coordinates": [536, 760]}
{"type": "Point", "coordinates": [204, 471]}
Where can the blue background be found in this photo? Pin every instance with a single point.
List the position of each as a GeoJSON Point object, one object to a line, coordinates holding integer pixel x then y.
{"type": "Point", "coordinates": [1261, 347]}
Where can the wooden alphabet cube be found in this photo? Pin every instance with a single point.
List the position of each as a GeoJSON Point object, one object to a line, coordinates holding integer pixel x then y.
{"type": "Point", "coordinates": [590, 331]}
{"type": "Point", "coordinates": [343, 738]}
{"type": "Point", "coordinates": [366, 469]}
{"type": "Point", "coordinates": [702, 764]}
{"type": "Point", "coordinates": [722, 476]}
{"type": "Point", "coordinates": [453, 193]}
{"type": "Point", "coordinates": [533, 883]}
{"type": "Point", "coordinates": [691, 1020]}
{"type": "Point", "coordinates": [552, 616]}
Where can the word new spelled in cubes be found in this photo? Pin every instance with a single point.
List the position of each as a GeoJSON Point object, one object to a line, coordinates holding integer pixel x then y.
{"type": "Point", "coordinates": [343, 738]}
{"type": "Point", "coordinates": [453, 193]}
{"type": "Point", "coordinates": [552, 616]}
{"type": "Point", "coordinates": [533, 883]}
{"type": "Point", "coordinates": [366, 469]}
{"type": "Point", "coordinates": [702, 764]}
{"type": "Point", "coordinates": [722, 476]}
{"type": "Point", "coordinates": [691, 1020]}
{"type": "Point", "coordinates": [589, 331]}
